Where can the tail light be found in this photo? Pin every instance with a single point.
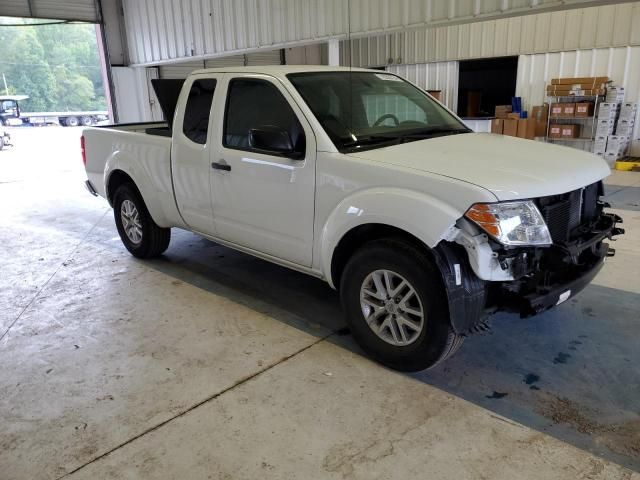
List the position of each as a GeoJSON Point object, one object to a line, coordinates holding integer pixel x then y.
{"type": "Point", "coordinates": [83, 151]}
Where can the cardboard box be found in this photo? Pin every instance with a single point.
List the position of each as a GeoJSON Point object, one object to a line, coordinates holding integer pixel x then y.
{"type": "Point", "coordinates": [568, 109]}
{"type": "Point", "coordinates": [617, 144]}
{"type": "Point", "coordinates": [604, 127]}
{"type": "Point", "coordinates": [510, 127]}
{"type": "Point", "coordinates": [600, 143]}
{"type": "Point", "coordinates": [570, 131]}
{"type": "Point", "coordinates": [575, 80]}
{"type": "Point", "coordinates": [611, 158]}
{"type": "Point", "coordinates": [615, 94]}
{"type": "Point", "coordinates": [576, 93]}
{"type": "Point", "coordinates": [584, 109]}
{"type": "Point", "coordinates": [555, 130]}
{"type": "Point", "coordinates": [502, 111]}
{"type": "Point", "coordinates": [513, 116]}
{"type": "Point", "coordinates": [628, 111]}
{"type": "Point", "coordinates": [437, 94]}
{"type": "Point", "coordinates": [540, 114]}
{"type": "Point", "coordinates": [556, 110]}
{"type": "Point", "coordinates": [608, 110]}
{"type": "Point", "coordinates": [527, 128]}
{"type": "Point", "coordinates": [497, 125]}
{"type": "Point", "coordinates": [625, 127]}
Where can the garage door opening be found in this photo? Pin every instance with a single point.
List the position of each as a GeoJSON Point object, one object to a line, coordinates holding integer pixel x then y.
{"type": "Point", "coordinates": [51, 73]}
{"type": "Point", "coordinates": [484, 84]}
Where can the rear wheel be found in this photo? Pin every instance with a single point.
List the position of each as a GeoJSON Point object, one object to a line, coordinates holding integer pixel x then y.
{"type": "Point", "coordinates": [1, 141]}
{"type": "Point", "coordinates": [87, 121]}
{"type": "Point", "coordinates": [396, 306]}
{"type": "Point", "coordinates": [72, 122]}
{"type": "Point", "coordinates": [138, 232]}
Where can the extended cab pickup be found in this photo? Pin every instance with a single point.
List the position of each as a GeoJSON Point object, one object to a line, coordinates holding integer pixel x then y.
{"type": "Point", "coordinates": [362, 179]}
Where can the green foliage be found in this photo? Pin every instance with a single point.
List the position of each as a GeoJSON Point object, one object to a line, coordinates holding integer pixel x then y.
{"type": "Point", "coordinates": [56, 65]}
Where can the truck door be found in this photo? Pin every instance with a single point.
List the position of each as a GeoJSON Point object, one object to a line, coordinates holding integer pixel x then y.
{"type": "Point", "coordinates": [190, 153]}
{"type": "Point", "coordinates": [263, 198]}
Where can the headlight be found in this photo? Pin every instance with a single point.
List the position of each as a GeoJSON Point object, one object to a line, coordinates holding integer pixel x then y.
{"type": "Point", "coordinates": [511, 223]}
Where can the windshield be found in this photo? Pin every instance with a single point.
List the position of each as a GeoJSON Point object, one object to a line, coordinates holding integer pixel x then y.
{"type": "Point", "coordinates": [365, 110]}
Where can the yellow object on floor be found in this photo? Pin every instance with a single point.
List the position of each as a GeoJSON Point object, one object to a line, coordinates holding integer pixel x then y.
{"type": "Point", "coordinates": [627, 166]}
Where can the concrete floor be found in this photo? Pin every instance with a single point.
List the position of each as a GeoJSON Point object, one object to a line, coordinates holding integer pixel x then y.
{"type": "Point", "coordinates": [208, 363]}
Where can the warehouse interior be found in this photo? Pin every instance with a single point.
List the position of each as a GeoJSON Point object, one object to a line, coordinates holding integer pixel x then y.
{"type": "Point", "coordinates": [207, 362]}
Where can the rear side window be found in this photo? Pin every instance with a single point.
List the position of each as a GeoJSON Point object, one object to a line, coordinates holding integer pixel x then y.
{"type": "Point", "coordinates": [196, 116]}
{"type": "Point", "coordinates": [253, 103]}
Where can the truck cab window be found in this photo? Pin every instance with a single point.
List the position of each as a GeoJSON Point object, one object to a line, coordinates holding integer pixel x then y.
{"type": "Point", "coordinates": [196, 115]}
{"type": "Point", "coordinates": [258, 104]}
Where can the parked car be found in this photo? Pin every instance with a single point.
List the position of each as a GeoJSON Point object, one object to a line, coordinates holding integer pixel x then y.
{"type": "Point", "coordinates": [361, 179]}
{"type": "Point", "coordinates": [5, 138]}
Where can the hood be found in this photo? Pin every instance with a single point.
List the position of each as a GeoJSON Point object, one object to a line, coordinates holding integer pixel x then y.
{"type": "Point", "coordinates": [511, 168]}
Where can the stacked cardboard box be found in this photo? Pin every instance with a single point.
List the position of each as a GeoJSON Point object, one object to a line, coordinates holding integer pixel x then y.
{"type": "Point", "coordinates": [584, 109]}
{"type": "Point", "coordinates": [509, 123]}
{"type": "Point", "coordinates": [510, 127]}
{"type": "Point", "coordinates": [577, 86]}
{"type": "Point", "coordinates": [627, 119]}
{"type": "Point", "coordinates": [600, 145]}
{"type": "Point", "coordinates": [604, 126]}
{"type": "Point", "coordinates": [570, 131]}
{"type": "Point", "coordinates": [616, 147]}
{"type": "Point", "coordinates": [540, 115]}
{"type": "Point", "coordinates": [608, 110]}
{"type": "Point", "coordinates": [502, 111]}
{"type": "Point", "coordinates": [555, 130]}
{"type": "Point", "coordinates": [615, 94]}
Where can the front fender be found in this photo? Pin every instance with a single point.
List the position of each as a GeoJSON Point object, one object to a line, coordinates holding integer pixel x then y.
{"type": "Point", "coordinates": [425, 217]}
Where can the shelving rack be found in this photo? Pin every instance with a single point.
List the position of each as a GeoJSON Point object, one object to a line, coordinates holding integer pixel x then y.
{"type": "Point", "coordinates": [596, 99]}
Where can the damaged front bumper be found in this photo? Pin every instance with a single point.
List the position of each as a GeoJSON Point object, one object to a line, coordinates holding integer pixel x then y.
{"type": "Point", "coordinates": [549, 276]}
{"type": "Point", "coordinates": [542, 277]}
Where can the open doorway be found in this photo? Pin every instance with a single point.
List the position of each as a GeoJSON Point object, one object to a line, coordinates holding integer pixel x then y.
{"type": "Point", "coordinates": [51, 73]}
{"type": "Point", "coordinates": [485, 83]}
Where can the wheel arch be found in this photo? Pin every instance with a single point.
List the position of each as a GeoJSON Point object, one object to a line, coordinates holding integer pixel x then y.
{"type": "Point", "coordinates": [419, 218]}
{"type": "Point", "coordinates": [358, 236]}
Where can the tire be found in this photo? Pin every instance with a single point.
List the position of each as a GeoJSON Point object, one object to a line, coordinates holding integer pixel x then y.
{"type": "Point", "coordinates": [1, 142]}
{"type": "Point", "coordinates": [434, 342]}
{"type": "Point", "coordinates": [86, 121]}
{"type": "Point", "coordinates": [152, 240]}
{"type": "Point", "coordinates": [71, 121]}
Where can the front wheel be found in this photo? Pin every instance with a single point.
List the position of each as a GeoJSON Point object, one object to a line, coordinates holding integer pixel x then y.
{"type": "Point", "coordinates": [138, 232]}
{"type": "Point", "coordinates": [396, 306]}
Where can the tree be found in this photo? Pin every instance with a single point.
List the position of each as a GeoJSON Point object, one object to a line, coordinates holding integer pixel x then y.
{"type": "Point", "coordinates": [56, 65]}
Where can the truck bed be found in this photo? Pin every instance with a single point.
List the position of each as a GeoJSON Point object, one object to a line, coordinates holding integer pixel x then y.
{"type": "Point", "coordinates": [145, 147]}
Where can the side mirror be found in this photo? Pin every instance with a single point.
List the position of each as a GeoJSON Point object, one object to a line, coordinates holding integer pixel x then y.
{"type": "Point", "coordinates": [270, 138]}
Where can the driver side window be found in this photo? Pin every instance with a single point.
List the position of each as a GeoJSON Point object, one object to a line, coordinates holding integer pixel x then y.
{"type": "Point", "coordinates": [377, 105]}
{"type": "Point", "coordinates": [255, 104]}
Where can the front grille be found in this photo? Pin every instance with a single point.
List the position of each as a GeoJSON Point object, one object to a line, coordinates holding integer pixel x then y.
{"type": "Point", "coordinates": [565, 213]}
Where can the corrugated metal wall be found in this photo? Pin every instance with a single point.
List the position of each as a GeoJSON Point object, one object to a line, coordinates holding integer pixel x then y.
{"type": "Point", "coordinates": [621, 64]}
{"type": "Point", "coordinates": [433, 76]}
{"type": "Point", "coordinates": [161, 31]}
{"type": "Point", "coordinates": [596, 27]}
{"type": "Point", "coordinates": [84, 10]}
{"type": "Point", "coordinates": [181, 70]}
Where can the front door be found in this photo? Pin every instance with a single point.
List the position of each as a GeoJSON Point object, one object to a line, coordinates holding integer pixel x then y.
{"type": "Point", "coordinates": [263, 199]}
{"type": "Point", "coordinates": [190, 152]}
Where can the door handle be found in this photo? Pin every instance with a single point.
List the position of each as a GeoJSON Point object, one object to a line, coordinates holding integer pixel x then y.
{"type": "Point", "coordinates": [221, 166]}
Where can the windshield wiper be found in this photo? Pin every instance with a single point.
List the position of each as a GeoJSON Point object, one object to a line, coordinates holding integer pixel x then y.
{"type": "Point", "coordinates": [371, 140]}
{"type": "Point", "coordinates": [434, 131]}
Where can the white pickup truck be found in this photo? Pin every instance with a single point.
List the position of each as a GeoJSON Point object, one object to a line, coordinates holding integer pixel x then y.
{"type": "Point", "coordinates": [362, 179]}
